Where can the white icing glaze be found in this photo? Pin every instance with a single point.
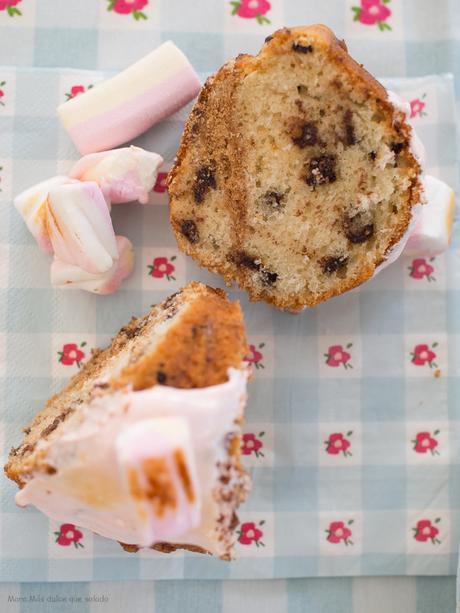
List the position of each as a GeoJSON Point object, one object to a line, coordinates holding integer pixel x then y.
{"type": "Point", "coordinates": [95, 446]}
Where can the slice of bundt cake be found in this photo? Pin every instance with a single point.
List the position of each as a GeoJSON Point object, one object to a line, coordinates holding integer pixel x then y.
{"type": "Point", "coordinates": [296, 174]}
{"type": "Point", "coordinates": [143, 444]}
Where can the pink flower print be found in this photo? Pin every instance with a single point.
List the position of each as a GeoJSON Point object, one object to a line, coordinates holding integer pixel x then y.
{"type": "Point", "coordinates": [10, 7]}
{"type": "Point", "coordinates": [336, 355]}
{"type": "Point", "coordinates": [338, 532]}
{"type": "Point", "coordinates": [71, 354]}
{"type": "Point", "coordinates": [420, 269]}
{"type": "Point", "coordinates": [252, 444]}
{"type": "Point", "coordinates": [252, 9]}
{"type": "Point", "coordinates": [129, 7]}
{"type": "Point", "coordinates": [373, 12]}
{"type": "Point", "coordinates": [75, 90]}
{"type": "Point", "coordinates": [162, 267]}
{"type": "Point", "coordinates": [2, 93]}
{"type": "Point", "coordinates": [422, 355]}
{"type": "Point", "coordinates": [160, 185]}
{"type": "Point", "coordinates": [425, 531]}
{"type": "Point", "coordinates": [417, 107]}
{"type": "Point", "coordinates": [424, 442]}
{"type": "Point", "coordinates": [69, 534]}
{"type": "Point", "coordinates": [249, 534]}
{"type": "Point", "coordinates": [337, 443]}
{"type": "Point", "coordinates": [254, 356]}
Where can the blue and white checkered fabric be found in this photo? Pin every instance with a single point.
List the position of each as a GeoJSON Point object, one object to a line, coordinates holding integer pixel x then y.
{"type": "Point", "coordinates": [352, 432]}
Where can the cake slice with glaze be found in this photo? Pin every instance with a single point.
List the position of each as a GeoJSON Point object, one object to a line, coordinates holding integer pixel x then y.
{"type": "Point", "coordinates": [143, 444]}
{"type": "Point", "coordinates": [297, 175]}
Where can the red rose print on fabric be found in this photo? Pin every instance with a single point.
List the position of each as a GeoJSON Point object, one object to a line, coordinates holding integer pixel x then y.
{"type": "Point", "coordinates": [252, 9]}
{"type": "Point", "coordinates": [420, 269]}
{"type": "Point", "coordinates": [425, 531]}
{"type": "Point", "coordinates": [75, 90]}
{"type": "Point", "coordinates": [69, 534]}
{"type": "Point", "coordinates": [252, 444]}
{"type": "Point", "coordinates": [373, 12]}
{"type": "Point", "coordinates": [2, 93]}
{"type": "Point", "coordinates": [160, 185]}
{"type": "Point", "coordinates": [254, 356]}
{"type": "Point", "coordinates": [417, 107]}
{"type": "Point", "coordinates": [162, 267]}
{"type": "Point", "coordinates": [250, 534]}
{"type": "Point", "coordinates": [10, 7]}
{"type": "Point", "coordinates": [338, 443]}
{"type": "Point", "coordinates": [338, 532]}
{"type": "Point", "coordinates": [129, 7]}
{"type": "Point", "coordinates": [71, 354]}
{"type": "Point", "coordinates": [425, 442]}
{"type": "Point", "coordinates": [336, 356]}
{"type": "Point", "coordinates": [422, 355]}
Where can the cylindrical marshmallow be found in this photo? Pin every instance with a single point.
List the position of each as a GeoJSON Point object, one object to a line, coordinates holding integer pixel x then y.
{"type": "Point", "coordinates": [31, 204]}
{"type": "Point", "coordinates": [80, 228]}
{"type": "Point", "coordinates": [124, 175]}
{"type": "Point", "coordinates": [69, 276]}
{"type": "Point", "coordinates": [128, 104]}
{"type": "Point", "coordinates": [432, 232]}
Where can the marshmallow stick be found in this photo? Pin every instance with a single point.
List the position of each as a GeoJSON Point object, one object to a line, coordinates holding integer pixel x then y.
{"type": "Point", "coordinates": [68, 276]}
{"type": "Point", "coordinates": [124, 175]}
{"type": "Point", "coordinates": [131, 102]}
{"type": "Point", "coordinates": [432, 232]}
{"type": "Point", "coordinates": [31, 205]}
{"type": "Point", "coordinates": [80, 228]}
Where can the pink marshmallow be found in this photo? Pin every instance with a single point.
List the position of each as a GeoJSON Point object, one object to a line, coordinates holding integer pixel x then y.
{"type": "Point", "coordinates": [69, 276]}
{"type": "Point", "coordinates": [124, 175]}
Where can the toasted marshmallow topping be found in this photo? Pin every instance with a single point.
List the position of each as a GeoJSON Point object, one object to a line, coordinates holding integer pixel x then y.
{"type": "Point", "coordinates": [144, 466]}
{"type": "Point", "coordinates": [69, 276]}
{"type": "Point", "coordinates": [123, 175]}
{"type": "Point", "coordinates": [80, 228]}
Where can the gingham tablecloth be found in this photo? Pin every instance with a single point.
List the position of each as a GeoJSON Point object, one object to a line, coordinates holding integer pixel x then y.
{"type": "Point", "coordinates": [380, 485]}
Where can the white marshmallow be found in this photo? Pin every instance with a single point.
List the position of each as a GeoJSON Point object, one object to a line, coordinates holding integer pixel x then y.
{"type": "Point", "coordinates": [432, 232]}
{"type": "Point", "coordinates": [80, 228]}
{"type": "Point", "coordinates": [31, 204]}
{"type": "Point", "coordinates": [123, 175]}
{"type": "Point", "coordinates": [69, 276]}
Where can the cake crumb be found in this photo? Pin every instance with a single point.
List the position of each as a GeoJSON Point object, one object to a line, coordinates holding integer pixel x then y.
{"type": "Point", "coordinates": [437, 373]}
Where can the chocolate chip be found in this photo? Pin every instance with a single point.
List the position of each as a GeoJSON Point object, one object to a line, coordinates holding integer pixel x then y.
{"type": "Point", "coordinates": [308, 135]}
{"type": "Point", "coordinates": [299, 48]}
{"type": "Point", "coordinates": [350, 137]}
{"type": "Point", "coordinates": [396, 147]}
{"type": "Point", "coordinates": [333, 264]}
{"type": "Point", "coordinates": [189, 230]}
{"type": "Point", "coordinates": [241, 258]}
{"type": "Point", "coordinates": [321, 170]}
{"type": "Point", "coordinates": [273, 200]}
{"type": "Point", "coordinates": [269, 38]}
{"type": "Point", "coordinates": [161, 377]}
{"type": "Point", "coordinates": [204, 180]}
{"type": "Point", "coordinates": [359, 228]}
{"type": "Point", "coordinates": [268, 278]}
{"type": "Point", "coordinates": [372, 155]}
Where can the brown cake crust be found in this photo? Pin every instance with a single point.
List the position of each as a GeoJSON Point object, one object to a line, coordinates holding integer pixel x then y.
{"type": "Point", "coordinates": [208, 338]}
{"type": "Point", "coordinates": [207, 184]}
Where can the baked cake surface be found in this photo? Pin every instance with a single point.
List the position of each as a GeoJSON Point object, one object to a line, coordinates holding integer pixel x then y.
{"type": "Point", "coordinates": [189, 341]}
{"type": "Point", "coordinates": [295, 175]}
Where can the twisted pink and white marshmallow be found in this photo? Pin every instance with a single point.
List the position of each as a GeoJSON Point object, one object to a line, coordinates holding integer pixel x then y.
{"type": "Point", "coordinates": [124, 175]}
{"type": "Point", "coordinates": [69, 276]}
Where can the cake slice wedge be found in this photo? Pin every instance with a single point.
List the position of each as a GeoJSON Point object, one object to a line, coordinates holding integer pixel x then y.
{"type": "Point", "coordinates": [143, 444]}
{"type": "Point", "coordinates": [297, 174]}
